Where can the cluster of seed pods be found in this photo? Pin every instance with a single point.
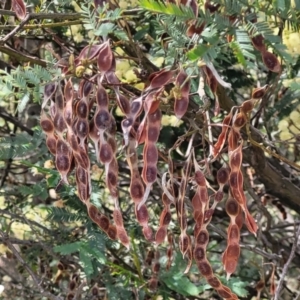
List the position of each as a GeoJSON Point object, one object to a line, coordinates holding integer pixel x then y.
{"type": "Point", "coordinates": [202, 216]}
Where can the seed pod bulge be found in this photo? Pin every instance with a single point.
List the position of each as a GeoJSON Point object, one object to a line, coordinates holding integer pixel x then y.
{"type": "Point", "coordinates": [204, 268]}
{"type": "Point", "coordinates": [62, 163]}
{"type": "Point", "coordinates": [106, 153]}
{"type": "Point", "coordinates": [103, 222]}
{"type": "Point", "coordinates": [232, 207]}
{"type": "Point", "coordinates": [47, 125]}
{"type": "Point", "coordinates": [199, 253]}
{"type": "Point", "coordinates": [102, 119]}
{"type": "Point", "coordinates": [112, 232]}
{"type": "Point", "coordinates": [142, 214]}
{"type": "Point", "coordinates": [161, 235]}
{"type": "Point", "coordinates": [82, 109]}
{"type": "Point", "coordinates": [222, 176]}
{"type": "Point", "coordinates": [202, 238]}
{"type": "Point", "coordinates": [214, 282]}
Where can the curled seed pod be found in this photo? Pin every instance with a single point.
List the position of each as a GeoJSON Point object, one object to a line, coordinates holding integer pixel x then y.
{"type": "Point", "coordinates": [161, 235]}
{"type": "Point", "coordinates": [204, 268]}
{"type": "Point", "coordinates": [271, 62]}
{"type": "Point", "coordinates": [258, 43]}
{"type": "Point", "coordinates": [112, 232]}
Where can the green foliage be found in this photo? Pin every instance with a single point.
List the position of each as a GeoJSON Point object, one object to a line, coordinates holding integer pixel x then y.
{"type": "Point", "coordinates": [175, 280]}
{"type": "Point", "coordinates": [25, 81]}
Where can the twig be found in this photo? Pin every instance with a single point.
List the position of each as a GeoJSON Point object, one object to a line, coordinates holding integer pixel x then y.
{"type": "Point", "coordinates": [42, 16]}
{"type": "Point", "coordinates": [21, 260]}
{"type": "Point", "coordinates": [22, 57]}
{"type": "Point", "coordinates": [17, 29]}
{"type": "Point", "coordinates": [287, 264]}
{"type": "Point", "coordinates": [8, 117]}
{"type": "Point", "coordinates": [46, 25]}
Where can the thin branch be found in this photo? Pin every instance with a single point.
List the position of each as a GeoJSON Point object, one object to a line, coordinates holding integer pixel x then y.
{"type": "Point", "coordinates": [22, 57]}
{"type": "Point", "coordinates": [31, 273]}
{"type": "Point", "coordinates": [42, 16]}
{"type": "Point", "coordinates": [17, 29]}
{"type": "Point", "coordinates": [287, 264]}
{"type": "Point", "coordinates": [38, 26]}
{"type": "Point", "coordinates": [8, 117]}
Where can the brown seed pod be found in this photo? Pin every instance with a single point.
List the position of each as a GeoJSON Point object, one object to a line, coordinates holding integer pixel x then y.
{"type": "Point", "coordinates": [161, 235]}
{"type": "Point", "coordinates": [258, 43]}
{"type": "Point", "coordinates": [204, 268]}
{"type": "Point", "coordinates": [271, 62]}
